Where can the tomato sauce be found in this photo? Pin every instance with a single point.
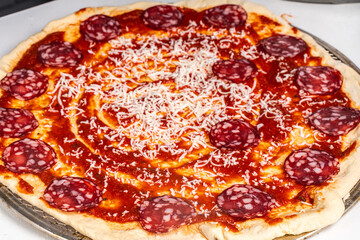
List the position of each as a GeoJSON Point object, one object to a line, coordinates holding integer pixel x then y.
{"type": "Point", "coordinates": [96, 158]}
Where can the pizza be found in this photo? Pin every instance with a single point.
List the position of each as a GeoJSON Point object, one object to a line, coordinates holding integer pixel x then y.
{"type": "Point", "coordinates": [202, 120]}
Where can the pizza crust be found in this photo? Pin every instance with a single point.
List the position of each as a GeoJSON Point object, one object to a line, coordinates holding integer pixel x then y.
{"type": "Point", "coordinates": [328, 206]}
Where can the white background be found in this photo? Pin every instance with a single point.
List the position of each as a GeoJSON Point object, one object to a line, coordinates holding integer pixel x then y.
{"type": "Point", "coordinates": [338, 25]}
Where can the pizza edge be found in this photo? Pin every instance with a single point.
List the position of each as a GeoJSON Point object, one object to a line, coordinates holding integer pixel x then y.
{"type": "Point", "coordinates": [328, 202]}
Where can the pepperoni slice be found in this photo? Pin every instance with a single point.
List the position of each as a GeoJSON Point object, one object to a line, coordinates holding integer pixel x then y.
{"type": "Point", "coordinates": [235, 70]}
{"type": "Point", "coordinates": [28, 156]}
{"type": "Point", "coordinates": [24, 84]}
{"type": "Point", "coordinates": [321, 80]}
{"type": "Point", "coordinates": [283, 45]}
{"type": "Point", "coordinates": [311, 167]}
{"type": "Point", "coordinates": [225, 16]}
{"type": "Point", "coordinates": [335, 121]}
{"type": "Point", "coordinates": [59, 54]}
{"type": "Point", "coordinates": [244, 201]}
{"type": "Point", "coordinates": [165, 213]}
{"type": "Point", "coordinates": [16, 122]}
{"type": "Point", "coordinates": [234, 134]}
{"type": "Point", "coordinates": [162, 17]}
{"type": "Point", "coordinates": [72, 194]}
{"type": "Point", "coordinates": [100, 28]}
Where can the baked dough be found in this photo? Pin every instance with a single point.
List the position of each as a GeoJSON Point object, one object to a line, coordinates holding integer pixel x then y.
{"type": "Point", "coordinates": [328, 200]}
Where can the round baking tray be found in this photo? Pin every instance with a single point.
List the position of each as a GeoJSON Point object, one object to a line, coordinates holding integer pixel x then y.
{"type": "Point", "coordinates": [59, 230]}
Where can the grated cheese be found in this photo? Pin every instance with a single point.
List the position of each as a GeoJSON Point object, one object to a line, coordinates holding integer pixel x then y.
{"type": "Point", "coordinates": [157, 94]}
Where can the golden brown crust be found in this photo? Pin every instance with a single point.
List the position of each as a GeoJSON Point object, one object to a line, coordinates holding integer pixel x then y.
{"type": "Point", "coordinates": [328, 206]}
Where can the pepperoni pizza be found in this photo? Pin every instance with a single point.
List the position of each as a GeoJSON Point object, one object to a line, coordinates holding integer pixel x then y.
{"type": "Point", "coordinates": [202, 119]}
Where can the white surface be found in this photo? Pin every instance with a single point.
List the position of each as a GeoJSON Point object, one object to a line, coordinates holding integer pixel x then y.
{"type": "Point", "coordinates": [336, 24]}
